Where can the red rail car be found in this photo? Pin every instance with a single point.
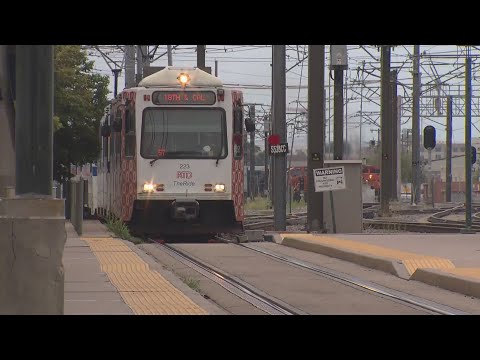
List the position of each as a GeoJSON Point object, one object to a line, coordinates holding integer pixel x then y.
{"type": "Point", "coordinates": [371, 176]}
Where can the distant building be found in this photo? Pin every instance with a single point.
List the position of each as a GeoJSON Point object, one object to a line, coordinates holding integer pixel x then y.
{"type": "Point", "coordinates": [439, 163]}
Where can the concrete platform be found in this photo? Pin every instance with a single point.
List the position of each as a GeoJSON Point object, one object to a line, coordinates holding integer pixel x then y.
{"type": "Point", "coordinates": [448, 261]}
{"type": "Point", "coordinates": [106, 275]}
{"type": "Point", "coordinates": [88, 290]}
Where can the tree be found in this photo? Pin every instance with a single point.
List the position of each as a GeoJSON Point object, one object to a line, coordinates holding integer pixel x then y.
{"type": "Point", "coordinates": [80, 100]}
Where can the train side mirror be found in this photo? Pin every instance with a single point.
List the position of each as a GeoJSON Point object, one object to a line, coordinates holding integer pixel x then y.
{"type": "Point", "coordinates": [249, 125]}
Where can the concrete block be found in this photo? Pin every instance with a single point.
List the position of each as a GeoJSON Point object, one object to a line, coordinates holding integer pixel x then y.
{"type": "Point", "coordinates": [448, 281]}
{"type": "Point", "coordinates": [32, 207]}
{"type": "Point", "coordinates": [384, 264]}
{"type": "Point", "coordinates": [32, 240]}
{"type": "Point", "coordinates": [254, 235]}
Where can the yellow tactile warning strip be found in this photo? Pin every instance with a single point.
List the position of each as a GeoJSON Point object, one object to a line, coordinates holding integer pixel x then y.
{"type": "Point", "coordinates": [426, 262]}
{"type": "Point", "coordinates": [411, 261]}
{"type": "Point", "coordinates": [144, 290]}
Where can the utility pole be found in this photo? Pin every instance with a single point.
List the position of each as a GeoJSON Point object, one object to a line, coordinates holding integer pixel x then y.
{"type": "Point", "coordinates": [33, 119]}
{"type": "Point", "coordinates": [280, 129]}
{"type": "Point", "coordinates": [266, 128]}
{"type": "Point", "coordinates": [201, 56]}
{"type": "Point", "coordinates": [7, 120]}
{"type": "Point", "coordinates": [246, 160]}
{"type": "Point", "coordinates": [216, 67]}
{"type": "Point", "coordinates": [338, 113]}
{"type": "Point", "coordinates": [468, 144]}
{"type": "Point", "coordinates": [395, 132]}
{"type": "Point", "coordinates": [316, 128]}
{"type": "Point", "coordinates": [115, 72]}
{"type": "Point", "coordinates": [169, 55]}
{"type": "Point", "coordinates": [346, 150]}
{"type": "Point", "coordinates": [129, 66]}
{"type": "Point", "coordinates": [330, 150]}
{"type": "Point", "coordinates": [139, 72]}
{"type": "Point", "coordinates": [252, 155]}
{"type": "Point", "coordinates": [416, 126]}
{"type": "Point", "coordinates": [271, 183]}
{"type": "Point", "coordinates": [386, 128]}
{"type": "Point", "coordinates": [448, 185]}
{"type": "Point", "coordinates": [339, 62]}
{"type": "Point", "coordinates": [142, 61]}
{"type": "Point", "coordinates": [361, 108]}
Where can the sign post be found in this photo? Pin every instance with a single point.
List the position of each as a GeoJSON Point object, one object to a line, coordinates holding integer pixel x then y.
{"type": "Point", "coordinates": [330, 179]}
{"type": "Point", "coordinates": [334, 224]}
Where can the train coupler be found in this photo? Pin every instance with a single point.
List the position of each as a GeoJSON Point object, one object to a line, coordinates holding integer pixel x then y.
{"type": "Point", "coordinates": [185, 210]}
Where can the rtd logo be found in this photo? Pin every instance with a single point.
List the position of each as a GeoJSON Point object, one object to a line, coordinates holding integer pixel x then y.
{"type": "Point", "coordinates": [184, 174]}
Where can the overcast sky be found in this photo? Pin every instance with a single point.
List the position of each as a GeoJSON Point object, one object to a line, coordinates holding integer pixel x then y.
{"type": "Point", "coordinates": [249, 67]}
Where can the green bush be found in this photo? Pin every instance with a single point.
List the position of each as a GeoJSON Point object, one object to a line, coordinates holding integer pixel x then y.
{"type": "Point", "coordinates": [118, 227]}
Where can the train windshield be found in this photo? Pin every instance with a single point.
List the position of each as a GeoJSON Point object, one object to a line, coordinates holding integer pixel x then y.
{"type": "Point", "coordinates": [184, 133]}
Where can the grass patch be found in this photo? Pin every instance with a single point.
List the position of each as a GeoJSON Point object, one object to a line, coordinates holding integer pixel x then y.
{"type": "Point", "coordinates": [119, 228]}
{"type": "Point", "coordinates": [257, 204]}
{"type": "Point", "coordinates": [264, 204]}
{"type": "Point", "coordinates": [193, 284]}
{"type": "Point", "coordinates": [297, 205]}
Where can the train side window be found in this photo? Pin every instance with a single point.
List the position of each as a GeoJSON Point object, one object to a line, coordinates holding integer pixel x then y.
{"type": "Point", "coordinates": [113, 137]}
{"type": "Point", "coordinates": [130, 133]}
{"type": "Point", "coordinates": [129, 145]}
{"type": "Point", "coordinates": [237, 133]}
{"type": "Point", "coordinates": [129, 120]}
{"type": "Point", "coordinates": [237, 120]}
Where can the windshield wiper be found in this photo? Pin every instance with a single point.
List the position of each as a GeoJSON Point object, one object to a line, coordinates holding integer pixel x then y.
{"type": "Point", "coordinates": [153, 161]}
{"type": "Point", "coordinates": [218, 157]}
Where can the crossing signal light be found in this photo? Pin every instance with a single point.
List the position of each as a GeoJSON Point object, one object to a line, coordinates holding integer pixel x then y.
{"type": "Point", "coordinates": [474, 155]}
{"type": "Point", "coordinates": [429, 140]}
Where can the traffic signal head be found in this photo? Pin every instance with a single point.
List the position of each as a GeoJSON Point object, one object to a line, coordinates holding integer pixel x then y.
{"type": "Point", "coordinates": [429, 136]}
{"type": "Point", "coordinates": [474, 155]}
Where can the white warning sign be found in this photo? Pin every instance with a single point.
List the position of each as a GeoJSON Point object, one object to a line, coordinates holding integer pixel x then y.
{"type": "Point", "coordinates": [329, 179]}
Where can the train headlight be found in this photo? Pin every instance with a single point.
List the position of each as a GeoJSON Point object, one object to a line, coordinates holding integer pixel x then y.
{"type": "Point", "coordinates": [183, 79]}
{"type": "Point", "coordinates": [219, 188]}
{"type": "Point", "coordinates": [370, 176]}
{"type": "Point", "coordinates": [148, 187]}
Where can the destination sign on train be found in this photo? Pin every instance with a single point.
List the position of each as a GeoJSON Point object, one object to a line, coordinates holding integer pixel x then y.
{"type": "Point", "coordinates": [183, 98]}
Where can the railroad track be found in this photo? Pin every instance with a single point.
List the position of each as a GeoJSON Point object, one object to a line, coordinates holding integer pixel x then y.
{"type": "Point", "coordinates": [267, 224]}
{"type": "Point", "coordinates": [416, 226]}
{"type": "Point", "coordinates": [378, 290]}
{"type": "Point", "coordinates": [436, 222]}
{"type": "Point", "coordinates": [273, 306]}
{"type": "Point", "coordinates": [232, 284]}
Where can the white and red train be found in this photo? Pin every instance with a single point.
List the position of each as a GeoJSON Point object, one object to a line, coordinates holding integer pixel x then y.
{"type": "Point", "coordinates": [172, 155]}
